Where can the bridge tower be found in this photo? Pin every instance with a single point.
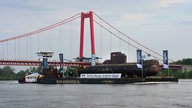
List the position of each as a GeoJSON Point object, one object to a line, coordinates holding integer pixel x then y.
{"type": "Point", "coordinates": [90, 16]}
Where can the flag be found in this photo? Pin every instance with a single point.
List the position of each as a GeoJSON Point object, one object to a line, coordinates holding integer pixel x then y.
{"type": "Point", "coordinates": [165, 59]}
{"type": "Point", "coordinates": [139, 58]}
{"type": "Point", "coordinates": [93, 63]}
{"type": "Point", "coordinates": [45, 63]}
{"type": "Point", "coordinates": [61, 60]}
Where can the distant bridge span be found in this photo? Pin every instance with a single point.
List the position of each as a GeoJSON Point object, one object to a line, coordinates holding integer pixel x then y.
{"type": "Point", "coordinates": [56, 63]}
{"type": "Point", "coordinates": [38, 63]}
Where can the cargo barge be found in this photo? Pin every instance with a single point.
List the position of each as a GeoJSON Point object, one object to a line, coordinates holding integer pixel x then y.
{"type": "Point", "coordinates": [110, 72]}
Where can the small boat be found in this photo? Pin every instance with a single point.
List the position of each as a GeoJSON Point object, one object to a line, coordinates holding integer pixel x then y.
{"type": "Point", "coordinates": [30, 78]}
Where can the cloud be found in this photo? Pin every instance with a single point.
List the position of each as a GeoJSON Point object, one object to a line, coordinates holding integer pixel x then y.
{"type": "Point", "coordinates": [170, 3]}
{"type": "Point", "coordinates": [151, 19]}
{"type": "Point", "coordinates": [135, 17]}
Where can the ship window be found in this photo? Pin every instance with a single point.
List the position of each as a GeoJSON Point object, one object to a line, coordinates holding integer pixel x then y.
{"type": "Point", "coordinates": [106, 69]}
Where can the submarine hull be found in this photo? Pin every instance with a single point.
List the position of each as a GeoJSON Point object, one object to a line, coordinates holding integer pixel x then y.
{"type": "Point", "coordinates": [129, 70]}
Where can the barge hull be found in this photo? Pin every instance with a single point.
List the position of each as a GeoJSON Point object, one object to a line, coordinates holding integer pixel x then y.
{"type": "Point", "coordinates": [102, 81]}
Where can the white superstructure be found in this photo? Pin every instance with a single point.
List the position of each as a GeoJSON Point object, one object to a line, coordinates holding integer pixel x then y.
{"type": "Point", "coordinates": [32, 78]}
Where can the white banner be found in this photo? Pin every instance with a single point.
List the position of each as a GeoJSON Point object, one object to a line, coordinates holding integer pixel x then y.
{"type": "Point", "coordinates": [117, 75]}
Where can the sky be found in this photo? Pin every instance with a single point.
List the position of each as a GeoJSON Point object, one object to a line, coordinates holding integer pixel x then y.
{"type": "Point", "coordinates": [157, 24]}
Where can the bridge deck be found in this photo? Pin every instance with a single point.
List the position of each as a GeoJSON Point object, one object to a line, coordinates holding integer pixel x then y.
{"type": "Point", "coordinates": [38, 63]}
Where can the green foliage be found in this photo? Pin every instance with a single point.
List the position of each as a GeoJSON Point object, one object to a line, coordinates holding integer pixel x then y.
{"type": "Point", "coordinates": [187, 61]}
{"type": "Point", "coordinates": [178, 74]}
{"type": "Point", "coordinates": [21, 74]}
{"type": "Point", "coordinates": [70, 72]}
{"type": "Point", "coordinates": [7, 73]}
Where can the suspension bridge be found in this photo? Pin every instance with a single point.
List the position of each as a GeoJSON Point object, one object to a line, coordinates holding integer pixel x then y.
{"type": "Point", "coordinates": [71, 37]}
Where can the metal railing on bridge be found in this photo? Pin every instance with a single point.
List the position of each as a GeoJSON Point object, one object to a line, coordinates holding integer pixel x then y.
{"type": "Point", "coordinates": [38, 63]}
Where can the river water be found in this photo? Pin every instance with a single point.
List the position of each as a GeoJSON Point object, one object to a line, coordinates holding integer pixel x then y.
{"type": "Point", "coordinates": [140, 95]}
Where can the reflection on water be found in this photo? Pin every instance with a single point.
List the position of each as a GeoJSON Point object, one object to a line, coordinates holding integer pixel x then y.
{"type": "Point", "coordinates": [140, 95]}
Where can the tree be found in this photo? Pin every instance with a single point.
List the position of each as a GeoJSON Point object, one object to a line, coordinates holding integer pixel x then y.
{"type": "Point", "coordinates": [185, 61]}
{"type": "Point", "coordinates": [21, 74]}
{"type": "Point", "coordinates": [190, 74]}
{"type": "Point", "coordinates": [7, 73]}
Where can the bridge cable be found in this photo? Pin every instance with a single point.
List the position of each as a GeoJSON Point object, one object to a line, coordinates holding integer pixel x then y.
{"type": "Point", "coordinates": [38, 42]}
{"type": "Point", "coordinates": [110, 41]}
{"type": "Point", "coordinates": [101, 42]}
{"type": "Point", "coordinates": [123, 39]}
{"type": "Point", "coordinates": [71, 40]}
{"type": "Point", "coordinates": [26, 48]}
{"type": "Point", "coordinates": [42, 29]}
{"type": "Point", "coordinates": [30, 48]}
{"type": "Point", "coordinates": [49, 41]}
{"type": "Point", "coordinates": [15, 50]}
{"type": "Point", "coordinates": [119, 42]}
{"type": "Point", "coordinates": [60, 38]}
{"type": "Point", "coordinates": [130, 38]}
{"type": "Point", "coordinates": [7, 49]}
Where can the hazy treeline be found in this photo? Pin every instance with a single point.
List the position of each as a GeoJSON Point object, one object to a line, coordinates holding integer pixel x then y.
{"type": "Point", "coordinates": [185, 61]}
{"type": "Point", "coordinates": [8, 73]}
{"type": "Point", "coordinates": [179, 74]}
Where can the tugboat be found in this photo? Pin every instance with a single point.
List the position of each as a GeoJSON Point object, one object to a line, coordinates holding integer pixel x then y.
{"type": "Point", "coordinates": [30, 78]}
